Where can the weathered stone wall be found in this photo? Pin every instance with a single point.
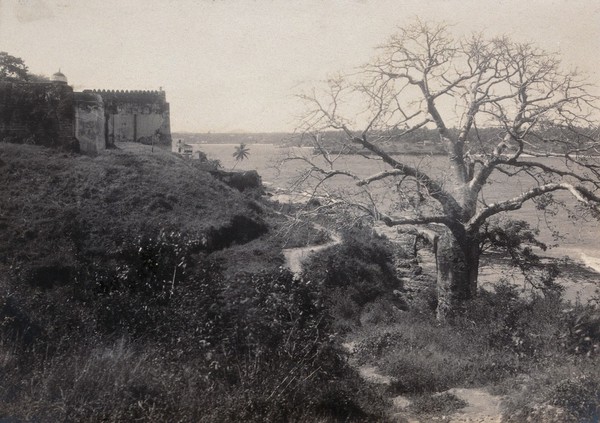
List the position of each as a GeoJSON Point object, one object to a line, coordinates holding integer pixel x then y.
{"type": "Point", "coordinates": [51, 114]}
{"type": "Point", "coordinates": [37, 113]}
{"type": "Point", "coordinates": [136, 116]}
{"type": "Point", "coordinates": [90, 122]}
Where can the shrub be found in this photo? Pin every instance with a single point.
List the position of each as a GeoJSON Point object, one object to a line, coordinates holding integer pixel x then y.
{"type": "Point", "coordinates": [568, 392]}
{"type": "Point", "coordinates": [515, 239]}
{"type": "Point", "coordinates": [356, 272]}
{"type": "Point", "coordinates": [504, 320]}
{"type": "Point", "coordinates": [581, 333]}
{"type": "Point", "coordinates": [255, 348]}
{"type": "Point", "coordinates": [382, 311]}
{"type": "Point", "coordinates": [579, 396]}
{"type": "Point", "coordinates": [500, 336]}
{"type": "Point", "coordinates": [300, 233]}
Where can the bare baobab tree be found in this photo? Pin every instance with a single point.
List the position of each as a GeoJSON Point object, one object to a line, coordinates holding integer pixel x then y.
{"type": "Point", "coordinates": [498, 107]}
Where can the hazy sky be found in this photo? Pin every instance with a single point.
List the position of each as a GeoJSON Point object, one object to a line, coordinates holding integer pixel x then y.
{"type": "Point", "coordinates": [230, 65]}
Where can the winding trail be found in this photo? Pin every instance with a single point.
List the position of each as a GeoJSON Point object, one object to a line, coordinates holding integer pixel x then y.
{"type": "Point", "coordinates": [482, 407]}
{"type": "Point", "coordinates": [294, 257]}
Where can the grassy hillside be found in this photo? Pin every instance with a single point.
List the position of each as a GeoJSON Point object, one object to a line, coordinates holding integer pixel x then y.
{"type": "Point", "coordinates": [134, 286]}
{"type": "Point", "coordinates": [99, 202]}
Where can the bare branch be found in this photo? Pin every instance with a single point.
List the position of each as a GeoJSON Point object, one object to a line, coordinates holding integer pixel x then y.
{"type": "Point", "coordinates": [435, 189]}
{"type": "Point", "coordinates": [581, 193]}
{"type": "Point", "coordinates": [511, 100]}
{"type": "Point", "coordinates": [424, 220]}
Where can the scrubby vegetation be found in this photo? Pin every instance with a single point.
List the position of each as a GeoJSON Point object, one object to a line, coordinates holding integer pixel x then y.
{"type": "Point", "coordinates": [257, 348]}
{"type": "Point", "coordinates": [538, 350]}
{"type": "Point", "coordinates": [138, 287]}
{"type": "Point", "coordinates": [359, 278]}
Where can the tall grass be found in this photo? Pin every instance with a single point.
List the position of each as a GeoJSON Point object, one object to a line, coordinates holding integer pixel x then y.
{"type": "Point", "coordinates": [502, 338]}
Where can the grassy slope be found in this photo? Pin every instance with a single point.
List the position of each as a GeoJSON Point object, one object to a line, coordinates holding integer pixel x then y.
{"type": "Point", "coordinates": [93, 329]}
{"type": "Point", "coordinates": [45, 194]}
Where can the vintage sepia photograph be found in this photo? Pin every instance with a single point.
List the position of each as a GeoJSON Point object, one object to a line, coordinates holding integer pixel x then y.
{"type": "Point", "coordinates": [325, 211]}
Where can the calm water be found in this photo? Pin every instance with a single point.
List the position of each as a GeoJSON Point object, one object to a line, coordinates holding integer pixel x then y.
{"type": "Point", "coordinates": [581, 238]}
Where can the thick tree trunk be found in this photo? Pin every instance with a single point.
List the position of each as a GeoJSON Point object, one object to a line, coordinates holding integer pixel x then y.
{"type": "Point", "coordinates": [457, 270]}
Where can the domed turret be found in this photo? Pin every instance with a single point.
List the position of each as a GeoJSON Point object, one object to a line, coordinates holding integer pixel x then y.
{"type": "Point", "coordinates": [59, 77]}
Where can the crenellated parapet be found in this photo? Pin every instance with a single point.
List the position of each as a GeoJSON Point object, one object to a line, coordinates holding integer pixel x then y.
{"type": "Point", "coordinates": [154, 92]}
{"type": "Point", "coordinates": [131, 96]}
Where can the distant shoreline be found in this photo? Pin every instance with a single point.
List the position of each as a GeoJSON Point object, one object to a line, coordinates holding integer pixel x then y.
{"type": "Point", "coordinates": [198, 144]}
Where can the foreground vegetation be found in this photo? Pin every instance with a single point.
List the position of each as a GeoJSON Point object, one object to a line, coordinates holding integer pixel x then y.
{"type": "Point", "coordinates": [138, 287]}
{"type": "Point", "coordinates": [540, 353]}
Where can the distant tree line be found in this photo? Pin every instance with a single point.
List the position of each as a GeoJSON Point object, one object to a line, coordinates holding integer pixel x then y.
{"type": "Point", "coordinates": [550, 139]}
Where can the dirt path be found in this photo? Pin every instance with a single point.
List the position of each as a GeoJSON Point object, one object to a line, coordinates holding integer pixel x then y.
{"type": "Point", "coordinates": [294, 257]}
{"type": "Point", "coordinates": [482, 407]}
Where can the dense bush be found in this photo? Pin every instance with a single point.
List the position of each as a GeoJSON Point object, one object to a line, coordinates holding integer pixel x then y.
{"type": "Point", "coordinates": [356, 272]}
{"type": "Point", "coordinates": [565, 392]}
{"type": "Point", "coordinates": [502, 337]}
{"type": "Point", "coordinates": [515, 240]}
{"type": "Point", "coordinates": [37, 111]}
{"type": "Point", "coordinates": [279, 327]}
{"type": "Point", "coordinates": [300, 233]}
{"type": "Point", "coordinates": [582, 330]}
{"type": "Point", "coordinates": [424, 357]}
{"type": "Point", "coordinates": [155, 326]}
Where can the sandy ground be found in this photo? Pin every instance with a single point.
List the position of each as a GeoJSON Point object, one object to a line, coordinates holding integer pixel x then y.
{"type": "Point", "coordinates": [482, 407]}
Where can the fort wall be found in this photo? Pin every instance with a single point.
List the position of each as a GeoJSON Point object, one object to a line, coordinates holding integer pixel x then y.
{"type": "Point", "coordinates": [37, 113]}
{"type": "Point", "coordinates": [51, 114]}
{"type": "Point", "coordinates": [136, 116]}
{"type": "Point", "coordinates": [90, 122]}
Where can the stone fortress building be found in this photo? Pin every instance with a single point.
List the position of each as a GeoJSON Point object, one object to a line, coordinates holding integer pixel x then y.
{"type": "Point", "coordinates": [52, 114]}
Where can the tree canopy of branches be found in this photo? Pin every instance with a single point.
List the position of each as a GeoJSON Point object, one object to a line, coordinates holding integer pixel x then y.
{"type": "Point", "coordinates": [497, 106]}
{"type": "Point", "coordinates": [12, 68]}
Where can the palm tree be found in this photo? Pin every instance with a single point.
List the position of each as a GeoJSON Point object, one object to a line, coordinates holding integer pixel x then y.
{"type": "Point", "coordinates": [241, 152]}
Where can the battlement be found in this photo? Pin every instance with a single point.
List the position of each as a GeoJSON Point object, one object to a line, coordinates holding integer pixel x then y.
{"type": "Point", "coordinates": [155, 92]}
{"type": "Point", "coordinates": [130, 95]}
